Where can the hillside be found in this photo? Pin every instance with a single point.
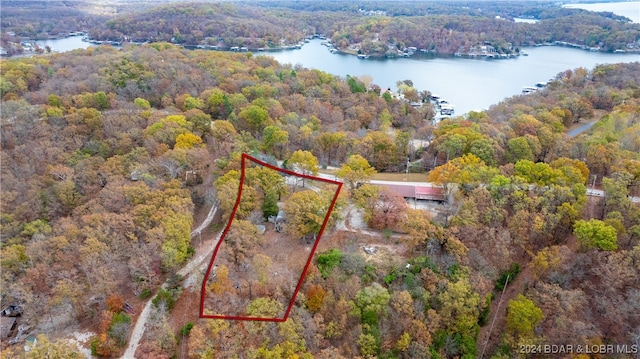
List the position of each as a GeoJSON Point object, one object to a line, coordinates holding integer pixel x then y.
{"type": "Point", "coordinates": [110, 158]}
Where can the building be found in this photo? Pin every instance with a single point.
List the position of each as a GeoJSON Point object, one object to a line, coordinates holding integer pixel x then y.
{"type": "Point", "coordinates": [415, 191]}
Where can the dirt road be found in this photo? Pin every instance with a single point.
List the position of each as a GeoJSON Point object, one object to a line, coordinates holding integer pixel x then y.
{"type": "Point", "coordinates": [138, 329]}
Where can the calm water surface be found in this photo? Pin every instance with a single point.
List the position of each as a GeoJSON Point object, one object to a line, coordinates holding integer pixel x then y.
{"type": "Point", "coordinates": [630, 9]}
{"type": "Point", "coordinates": [469, 84]}
{"type": "Point", "coordinates": [65, 44]}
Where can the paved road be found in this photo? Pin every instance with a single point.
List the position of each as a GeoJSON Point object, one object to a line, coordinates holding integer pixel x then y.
{"type": "Point", "coordinates": [600, 193]}
{"type": "Point", "coordinates": [581, 129]}
{"type": "Point", "coordinates": [590, 191]}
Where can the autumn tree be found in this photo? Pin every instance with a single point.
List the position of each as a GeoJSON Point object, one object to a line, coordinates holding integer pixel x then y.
{"type": "Point", "coordinates": [545, 260]}
{"type": "Point", "coordinates": [241, 240]}
{"type": "Point", "coordinates": [304, 162]}
{"type": "Point", "coordinates": [263, 307]}
{"type": "Point", "coordinates": [387, 211]}
{"type": "Point", "coordinates": [220, 282]}
{"type": "Point", "coordinates": [199, 122]}
{"type": "Point", "coordinates": [465, 170]}
{"type": "Point", "coordinates": [332, 145]}
{"type": "Point", "coordinates": [43, 347]}
{"type": "Point", "coordinates": [262, 264]}
{"type": "Point", "coordinates": [223, 130]}
{"type": "Point", "coordinates": [418, 226]}
{"type": "Point", "coordinates": [315, 296]}
{"type": "Point", "coordinates": [187, 141]}
{"type": "Point", "coordinates": [115, 303]}
{"type": "Point", "coordinates": [305, 212]}
{"type": "Point", "coordinates": [356, 171]}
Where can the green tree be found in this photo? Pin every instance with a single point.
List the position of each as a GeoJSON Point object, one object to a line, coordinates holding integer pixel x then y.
{"type": "Point", "coordinates": [274, 137]}
{"type": "Point", "coordinates": [484, 150]}
{"type": "Point", "coordinates": [519, 149]}
{"type": "Point", "coordinates": [460, 306]}
{"type": "Point", "coordinates": [191, 103]}
{"type": "Point", "coordinates": [255, 119]}
{"type": "Point", "coordinates": [373, 298]}
{"type": "Point", "coordinates": [101, 100]}
{"type": "Point", "coordinates": [328, 260]}
{"type": "Point", "coordinates": [368, 345]}
{"type": "Point", "coordinates": [142, 103]}
{"type": "Point", "coordinates": [596, 234]}
{"type": "Point", "coordinates": [355, 85]}
{"type": "Point", "coordinates": [523, 316]}
{"type": "Point", "coordinates": [270, 205]}
{"type": "Point", "coordinates": [217, 104]}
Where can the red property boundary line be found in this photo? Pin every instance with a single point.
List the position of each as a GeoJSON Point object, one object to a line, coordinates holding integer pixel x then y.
{"type": "Point", "coordinates": [246, 157]}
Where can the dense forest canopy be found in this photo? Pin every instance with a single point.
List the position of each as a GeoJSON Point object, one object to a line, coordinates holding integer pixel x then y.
{"type": "Point", "coordinates": [370, 27]}
{"type": "Point", "coordinates": [109, 157]}
{"type": "Point", "coordinates": [441, 27]}
{"type": "Point", "coordinates": [107, 153]}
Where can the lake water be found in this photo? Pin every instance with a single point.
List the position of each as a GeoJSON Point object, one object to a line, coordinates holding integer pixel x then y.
{"type": "Point", "coordinates": [630, 9]}
{"type": "Point", "coordinates": [468, 84]}
{"type": "Point", "coordinates": [65, 44]}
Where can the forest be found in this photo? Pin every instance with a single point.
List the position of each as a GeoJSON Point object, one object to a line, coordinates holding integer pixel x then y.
{"type": "Point", "coordinates": [110, 157]}
{"type": "Point", "coordinates": [437, 27]}
{"type": "Point", "coordinates": [370, 27]}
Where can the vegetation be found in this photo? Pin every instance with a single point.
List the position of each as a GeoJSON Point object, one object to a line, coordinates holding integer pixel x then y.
{"type": "Point", "coordinates": [373, 27]}
{"type": "Point", "coordinates": [107, 153]}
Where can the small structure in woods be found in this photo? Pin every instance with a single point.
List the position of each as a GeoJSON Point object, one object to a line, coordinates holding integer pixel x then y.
{"type": "Point", "coordinates": [280, 221]}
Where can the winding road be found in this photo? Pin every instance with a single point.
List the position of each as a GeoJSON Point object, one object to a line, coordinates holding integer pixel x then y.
{"type": "Point", "coordinates": [138, 329]}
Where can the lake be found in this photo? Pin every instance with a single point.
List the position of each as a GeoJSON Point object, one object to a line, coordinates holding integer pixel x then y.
{"type": "Point", "coordinates": [629, 9]}
{"type": "Point", "coordinates": [65, 44]}
{"type": "Point", "coordinates": [468, 84]}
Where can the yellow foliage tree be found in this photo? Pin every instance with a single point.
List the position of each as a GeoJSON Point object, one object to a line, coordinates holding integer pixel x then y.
{"type": "Point", "coordinates": [188, 140]}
